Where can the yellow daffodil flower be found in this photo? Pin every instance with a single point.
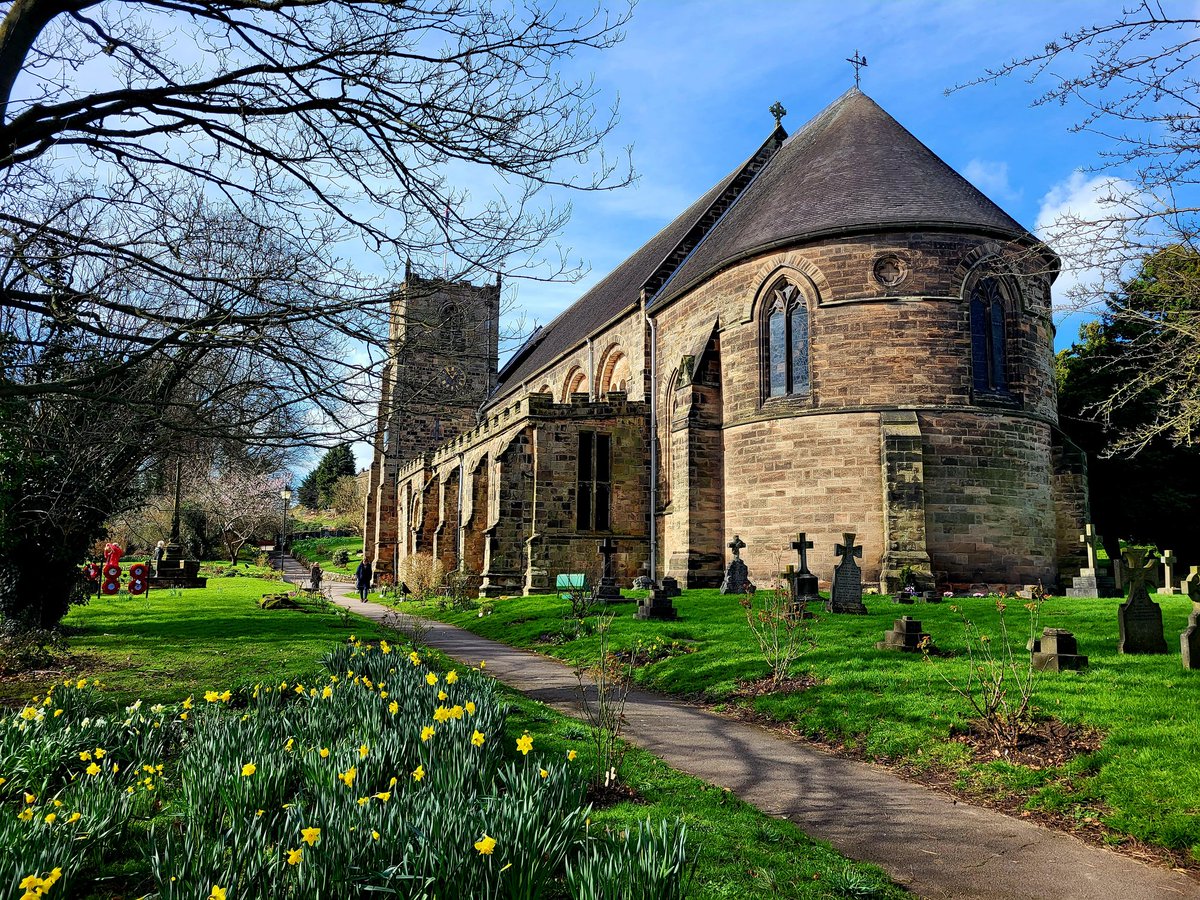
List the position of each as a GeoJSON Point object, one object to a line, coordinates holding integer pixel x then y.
{"type": "Point", "coordinates": [451, 676]}
{"type": "Point", "coordinates": [385, 648]}
{"type": "Point", "coordinates": [385, 796]}
{"type": "Point", "coordinates": [477, 739]}
{"type": "Point", "coordinates": [442, 695]}
{"type": "Point", "coordinates": [430, 679]}
{"type": "Point", "coordinates": [427, 732]}
{"type": "Point", "coordinates": [393, 707]}
{"type": "Point", "coordinates": [85, 755]}
{"type": "Point", "coordinates": [75, 817]}
{"type": "Point", "coordinates": [470, 707]}
{"type": "Point", "coordinates": [326, 692]}
{"type": "Point", "coordinates": [414, 659]}
{"type": "Point", "coordinates": [543, 773]}
{"type": "Point", "coordinates": [456, 711]}
{"type": "Point", "coordinates": [486, 845]}
{"type": "Point", "coordinates": [294, 856]}
{"type": "Point", "coordinates": [441, 714]}
{"type": "Point", "coordinates": [418, 773]}
{"type": "Point", "coordinates": [211, 696]}
{"type": "Point", "coordinates": [50, 817]}
{"type": "Point", "coordinates": [310, 836]}
{"type": "Point", "coordinates": [25, 815]}
{"type": "Point", "coordinates": [217, 893]}
{"type": "Point", "coordinates": [347, 777]}
{"type": "Point", "coordinates": [324, 753]}
{"type": "Point", "coordinates": [226, 697]}
{"type": "Point", "coordinates": [571, 754]}
{"type": "Point", "coordinates": [187, 704]}
{"type": "Point", "coordinates": [291, 742]}
{"type": "Point", "coordinates": [525, 743]}
{"type": "Point", "coordinates": [374, 835]}
{"type": "Point", "coordinates": [363, 751]}
{"type": "Point", "coordinates": [363, 801]}
{"type": "Point", "coordinates": [249, 769]}
{"type": "Point", "coordinates": [93, 770]}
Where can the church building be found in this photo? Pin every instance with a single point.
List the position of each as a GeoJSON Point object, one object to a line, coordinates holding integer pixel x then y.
{"type": "Point", "coordinates": [842, 335]}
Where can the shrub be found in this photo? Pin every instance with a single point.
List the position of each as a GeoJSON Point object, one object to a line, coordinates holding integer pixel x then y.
{"type": "Point", "coordinates": [781, 627]}
{"type": "Point", "coordinates": [341, 557]}
{"type": "Point", "coordinates": [422, 575]}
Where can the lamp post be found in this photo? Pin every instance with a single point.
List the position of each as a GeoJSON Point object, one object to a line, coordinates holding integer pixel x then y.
{"type": "Point", "coordinates": [285, 495]}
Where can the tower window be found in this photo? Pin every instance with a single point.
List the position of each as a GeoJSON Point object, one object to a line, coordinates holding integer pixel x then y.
{"type": "Point", "coordinates": [989, 362]}
{"type": "Point", "coordinates": [786, 337]}
{"type": "Point", "coordinates": [594, 495]}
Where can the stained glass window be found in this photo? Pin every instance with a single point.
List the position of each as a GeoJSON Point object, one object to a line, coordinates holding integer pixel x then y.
{"type": "Point", "coordinates": [786, 339]}
{"type": "Point", "coordinates": [989, 363]}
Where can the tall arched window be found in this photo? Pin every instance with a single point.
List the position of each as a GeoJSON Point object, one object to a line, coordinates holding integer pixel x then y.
{"type": "Point", "coordinates": [785, 336]}
{"type": "Point", "coordinates": [454, 328]}
{"type": "Point", "coordinates": [989, 363]}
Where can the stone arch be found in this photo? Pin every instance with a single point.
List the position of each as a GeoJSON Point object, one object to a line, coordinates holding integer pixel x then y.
{"type": "Point", "coordinates": [996, 260]}
{"type": "Point", "coordinates": [576, 382]}
{"type": "Point", "coordinates": [545, 389]}
{"type": "Point", "coordinates": [800, 271]}
{"type": "Point", "coordinates": [615, 372]}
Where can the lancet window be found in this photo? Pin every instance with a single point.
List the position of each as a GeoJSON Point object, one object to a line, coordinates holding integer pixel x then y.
{"type": "Point", "coordinates": [786, 342]}
{"type": "Point", "coordinates": [989, 360]}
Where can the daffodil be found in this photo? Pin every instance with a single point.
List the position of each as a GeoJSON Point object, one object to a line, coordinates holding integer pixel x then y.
{"type": "Point", "coordinates": [363, 801]}
{"type": "Point", "coordinates": [470, 707]}
{"type": "Point", "coordinates": [347, 777]}
{"type": "Point", "coordinates": [324, 753]}
{"type": "Point", "coordinates": [50, 818]}
{"type": "Point", "coordinates": [451, 676]}
{"type": "Point", "coordinates": [85, 755]}
{"type": "Point", "coordinates": [374, 835]}
{"type": "Point", "coordinates": [294, 856]}
{"type": "Point", "coordinates": [363, 751]}
{"type": "Point", "coordinates": [418, 773]}
{"type": "Point", "coordinates": [525, 743]}
{"type": "Point", "coordinates": [414, 658]}
{"type": "Point", "coordinates": [93, 770]}
{"type": "Point", "coordinates": [75, 817]}
{"type": "Point", "coordinates": [187, 704]}
{"type": "Point", "coordinates": [25, 815]}
{"type": "Point", "coordinates": [571, 754]}
{"type": "Point", "coordinates": [249, 769]}
{"type": "Point", "coordinates": [544, 773]}
{"type": "Point", "coordinates": [326, 692]}
{"type": "Point", "coordinates": [98, 753]}
{"type": "Point", "coordinates": [456, 711]}
{"type": "Point", "coordinates": [486, 845]}
{"type": "Point", "coordinates": [385, 648]}
{"type": "Point", "coordinates": [310, 836]}
{"type": "Point", "coordinates": [226, 697]}
{"type": "Point", "coordinates": [217, 893]}
{"type": "Point", "coordinates": [427, 732]}
{"type": "Point", "coordinates": [393, 707]}
{"type": "Point", "coordinates": [430, 679]}
{"type": "Point", "coordinates": [477, 739]}
{"type": "Point", "coordinates": [442, 695]}
{"type": "Point", "coordinates": [211, 696]}
{"type": "Point", "coordinates": [441, 714]}
{"type": "Point", "coordinates": [385, 796]}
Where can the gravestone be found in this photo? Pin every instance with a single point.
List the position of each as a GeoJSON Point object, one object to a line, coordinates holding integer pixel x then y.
{"type": "Point", "coordinates": [643, 583]}
{"type": "Point", "coordinates": [670, 586]}
{"type": "Point", "coordinates": [1057, 650]}
{"type": "Point", "coordinates": [1093, 580]}
{"type": "Point", "coordinates": [907, 597]}
{"type": "Point", "coordinates": [906, 635]}
{"type": "Point", "coordinates": [1189, 639]}
{"type": "Point", "coordinates": [1168, 560]}
{"type": "Point", "coordinates": [1139, 618]}
{"type": "Point", "coordinates": [845, 596]}
{"type": "Point", "coordinates": [737, 577]}
{"type": "Point", "coordinates": [657, 606]}
{"type": "Point", "coordinates": [802, 583]}
{"type": "Point", "coordinates": [607, 590]}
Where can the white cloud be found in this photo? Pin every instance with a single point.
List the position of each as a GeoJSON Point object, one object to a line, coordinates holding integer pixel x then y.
{"type": "Point", "coordinates": [1091, 223]}
{"type": "Point", "coordinates": [991, 178]}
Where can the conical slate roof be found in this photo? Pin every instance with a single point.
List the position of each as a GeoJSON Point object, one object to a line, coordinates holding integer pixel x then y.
{"type": "Point", "coordinates": [853, 168]}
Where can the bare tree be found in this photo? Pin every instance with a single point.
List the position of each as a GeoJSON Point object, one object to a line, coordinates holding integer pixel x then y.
{"type": "Point", "coordinates": [1135, 83]}
{"type": "Point", "coordinates": [204, 208]}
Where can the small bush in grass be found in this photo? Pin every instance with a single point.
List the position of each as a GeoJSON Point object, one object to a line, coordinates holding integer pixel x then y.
{"type": "Point", "coordinates": [341, 557]}
{"type": "Point", "coordinates": [781, 626]}
{"type": "Point", "coordinates": [383, 777]}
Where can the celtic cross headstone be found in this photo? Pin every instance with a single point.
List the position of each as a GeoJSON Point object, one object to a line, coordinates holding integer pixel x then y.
{"type": "Point", "coordinates": [845, 596]}
{"type": "Point", "coordinates": [737, 576]}
{"type": "Point", "coordinates": [1139, 618]}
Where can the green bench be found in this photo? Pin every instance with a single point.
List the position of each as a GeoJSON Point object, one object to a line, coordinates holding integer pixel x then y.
{"type": "Point", "coordinates": [576, 581]}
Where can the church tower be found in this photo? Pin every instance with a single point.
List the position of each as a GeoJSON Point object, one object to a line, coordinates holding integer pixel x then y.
{"type": "Point", "coordinates": [444, 348]}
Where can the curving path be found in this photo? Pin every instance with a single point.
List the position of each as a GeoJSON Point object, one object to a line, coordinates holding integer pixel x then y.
{"type": "Point", "coordinates": [928, 842]}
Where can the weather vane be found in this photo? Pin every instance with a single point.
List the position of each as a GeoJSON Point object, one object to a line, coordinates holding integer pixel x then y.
{"type": "Point", "coordinates": [859, 62]}
{"type": "Point", "coordinates": [778, 112]}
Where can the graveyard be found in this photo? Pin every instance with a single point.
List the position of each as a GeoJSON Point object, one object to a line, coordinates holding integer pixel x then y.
{"type": "Point", "coordinates": [1114, 758]}
{"type": "Point", "coordinates": [162, 655]}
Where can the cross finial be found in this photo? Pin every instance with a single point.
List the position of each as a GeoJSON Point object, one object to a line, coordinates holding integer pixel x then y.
{"type": "Point", "coordinates": [737, 545]}
{"type": "Point", "coordinates": [802, 545]}
{"type": "Point", "coordinates": [778, 112]}
{"type": "Point", "coordinates": [859, 62]}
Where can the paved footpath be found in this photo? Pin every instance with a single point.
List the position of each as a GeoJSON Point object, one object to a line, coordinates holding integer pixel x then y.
{"type": "Point", "coordinates": [928, 842]}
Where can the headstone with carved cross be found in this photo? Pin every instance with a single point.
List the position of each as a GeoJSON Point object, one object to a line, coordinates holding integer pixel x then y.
{"type": "Point", "coordinates": [608, 590]}
{"type": "Point", "coordinates": [845, 596]}
{"type": "Point", "coordinates": [1140, 618]}
{"type": "Point", "coordinates": [1168, 560]}
{"type": "Point", "coordinates": [1093, 580]}
{"type": "Point", "coordinates": [737, 576]}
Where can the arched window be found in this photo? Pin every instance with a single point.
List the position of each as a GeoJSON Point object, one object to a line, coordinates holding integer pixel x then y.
{"type": "Point", "coordinates": [989, 363]}
{"type": "Point", "coordinates": [785, 335]}
{"type": "Point", "coordinates": [454, 326]}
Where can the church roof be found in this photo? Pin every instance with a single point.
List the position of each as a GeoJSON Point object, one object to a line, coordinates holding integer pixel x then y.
{"type": "Point", "coordinates": [852, 168]}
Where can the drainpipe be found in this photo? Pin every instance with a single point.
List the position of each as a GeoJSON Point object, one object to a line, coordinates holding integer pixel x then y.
{"type": "Point", "coordinates": [458, 532]}
{"type": "Point", "coordinates": [653, 444]}
{"type": "Point", "coordinates": [592, 371]}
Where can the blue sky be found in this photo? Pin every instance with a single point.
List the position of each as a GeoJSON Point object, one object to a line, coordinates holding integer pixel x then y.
{"type": "Point", "coordinates": [695, 80]}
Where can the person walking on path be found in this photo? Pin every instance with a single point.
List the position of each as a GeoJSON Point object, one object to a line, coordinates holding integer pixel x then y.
{"type": "Point", "coordinates": [314, 576]}
{"type": "Point", "coordinates": [362, 579]}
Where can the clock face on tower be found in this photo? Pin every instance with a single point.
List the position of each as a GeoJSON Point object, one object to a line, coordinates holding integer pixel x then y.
{"type": "Point", "coordinates": [452, 377]}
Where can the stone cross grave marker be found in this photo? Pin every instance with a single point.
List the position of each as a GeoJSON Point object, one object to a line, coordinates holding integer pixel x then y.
{"type": "Point", "coordinates": [846, 594]}
{"type": "Point", "coordinates": [1189, 638]}
{"type": "Point", "coordinates": [805, 590]}
{"type": "Point", "coordinates": [1092, 581]}
{"type": "Point", "coordinates": [607, 589]}
{"type": "Point", "coordinates": [1168, 560]}
{"type": "Point", "coordinates": [737, 576]}
{"type": "Point", "coordinates": [801, 545]}
{"type": "Point", "coordinates": [1140, 618]}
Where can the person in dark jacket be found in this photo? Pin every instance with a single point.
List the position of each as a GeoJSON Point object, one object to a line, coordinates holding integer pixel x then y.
{"type": "Point", "coordinates": [362, 579]}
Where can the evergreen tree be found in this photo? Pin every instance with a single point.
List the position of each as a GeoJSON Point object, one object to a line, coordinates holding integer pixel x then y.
{"type": "Point", "coordinates": [317, 489]}
{"type": "Point", "coordinates": [308, 494]}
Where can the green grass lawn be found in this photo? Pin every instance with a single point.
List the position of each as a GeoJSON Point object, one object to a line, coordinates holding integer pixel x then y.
{"type": "Point", "coordinates": [1144, 780]}
{"type": "Point", "coordinates": [321, 550]}
{"type": "Point", "coordinates": [183, 643]}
